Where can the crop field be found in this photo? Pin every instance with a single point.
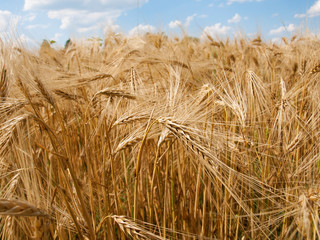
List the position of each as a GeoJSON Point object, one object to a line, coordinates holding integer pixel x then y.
{"type": "Point", "coordinates": [155, 137]}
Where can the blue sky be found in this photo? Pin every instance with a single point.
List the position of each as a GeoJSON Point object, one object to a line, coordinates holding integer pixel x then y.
{"type": "Point", "coordinates": [35, 20]}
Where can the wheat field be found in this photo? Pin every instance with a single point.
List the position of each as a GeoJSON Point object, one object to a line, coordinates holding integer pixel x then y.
{"type": "Point", "coordinates": [155, 137]}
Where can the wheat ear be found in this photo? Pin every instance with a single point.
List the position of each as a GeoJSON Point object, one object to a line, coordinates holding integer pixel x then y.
{"type": "Point", "coordinates": [12, 207]}
{"type": "Point", "coordinates": [115, 93]}
{"type": "Point", "coordinates": [133, 229]}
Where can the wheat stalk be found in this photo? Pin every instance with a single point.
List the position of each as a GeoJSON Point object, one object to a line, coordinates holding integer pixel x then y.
{"type": "Point", "coordinates": [3, 84]}
{"type": "Point", "coordinates": [213, 165]}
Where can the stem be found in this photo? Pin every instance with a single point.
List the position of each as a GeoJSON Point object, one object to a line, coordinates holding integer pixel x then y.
{"type": "Point", "coordinates": [138, 166]}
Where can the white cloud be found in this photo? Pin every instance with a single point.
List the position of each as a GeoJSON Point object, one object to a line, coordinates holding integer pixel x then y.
{"type": "Point", "coordinates": [90, 5]}
{"type": "Point", "coordinates": [175, 24]}
{"type": "Point", "coordinates": [141, 29]}
{"type": "Point", "coordinates": [299, 15]}
{"type": "Point", "coordinates": [215, 30]}
{"type": "Point", "coordinates": [189, 19]}
{"type": "Point", "coordinates": [241, 1]}
{"type": "Point", "coordinates": [211, 5]}
{"type": "Point", "coordinates": [87, 29]}
{"type": "Point", "coordinates": [30, 17]}
{"type": "Point", "coordinates": [34, 4]}
{"type": "Point", "coordinates": [8, 20]}
{"type": "Point", "coordinates": [203, 16]}
{"type": "Point", "coordinates": [235, 19]}
{"type": "Point", "coordinates": [314, 10]}
{"type": "Point", "coordinates": [37, 26]}
{"type": "Point", "coordinates": [57, 36]}
{"type": "Point", "coordinates": [290, 28]}
{"type": "Point", "coordinates": [83, 20]}
{"type": "Point", "coordinates": [83, 16]}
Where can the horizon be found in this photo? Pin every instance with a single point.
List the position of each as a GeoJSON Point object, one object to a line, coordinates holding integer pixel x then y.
{"type": "Point", "coordinates": [32, 21]}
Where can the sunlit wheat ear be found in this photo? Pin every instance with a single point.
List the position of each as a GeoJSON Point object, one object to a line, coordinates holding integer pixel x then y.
{"type": "Point", "coordinates": [44, 91]}
{"type": "Point", "coordinates": [113, 93]}
{"type": "Point", "coordinates": [284, 39]}
{"type": "Point", "coordinates": [205, 97]}
{"type": "Point", "coordinates": [11, 106]}
{"type": "Point", "coordinates": [308, 218]}
{"type": "Point", "coordinates": [129, 142]}
{"type": "Point", "coordinates": [130, 119]}
{"type": "Point", "coordinates": [12, 207]}
{"type": "Point", "coordinates": [67, 96]}
{"type": "Point", "coordinates": [96, 77]}
{"type": "Point", "coordinates": [136, 231]}
{"type": "Point", "coordinates": [165, 134]}
{"type": "Point", "coordinates": [293, 38]}
{"type": "Point", "coordinates": [259, 93]}
{"type": "Point", "coordinates": [20, 208]}
{"type": "Point", "coordinates": [136, 83]}
{"type": "Point", "coordinates": [257, 41]}
{"type": "Point", "coordinates": [8, 130]}
{"type": "Point", "coordinates": [304, 218]}
{"type": "Point", "coordinates": [315, 69]}
{"type": "Point", "coordinates": [295, 142]}
{"type": "Point", "coordinates": [116, 93]}
{"type": "Point", "coordinates": [183, 133]}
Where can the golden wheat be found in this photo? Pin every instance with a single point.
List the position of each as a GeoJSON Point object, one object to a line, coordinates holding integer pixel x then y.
{"type": "Point", "coordinates": [158, 138]}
